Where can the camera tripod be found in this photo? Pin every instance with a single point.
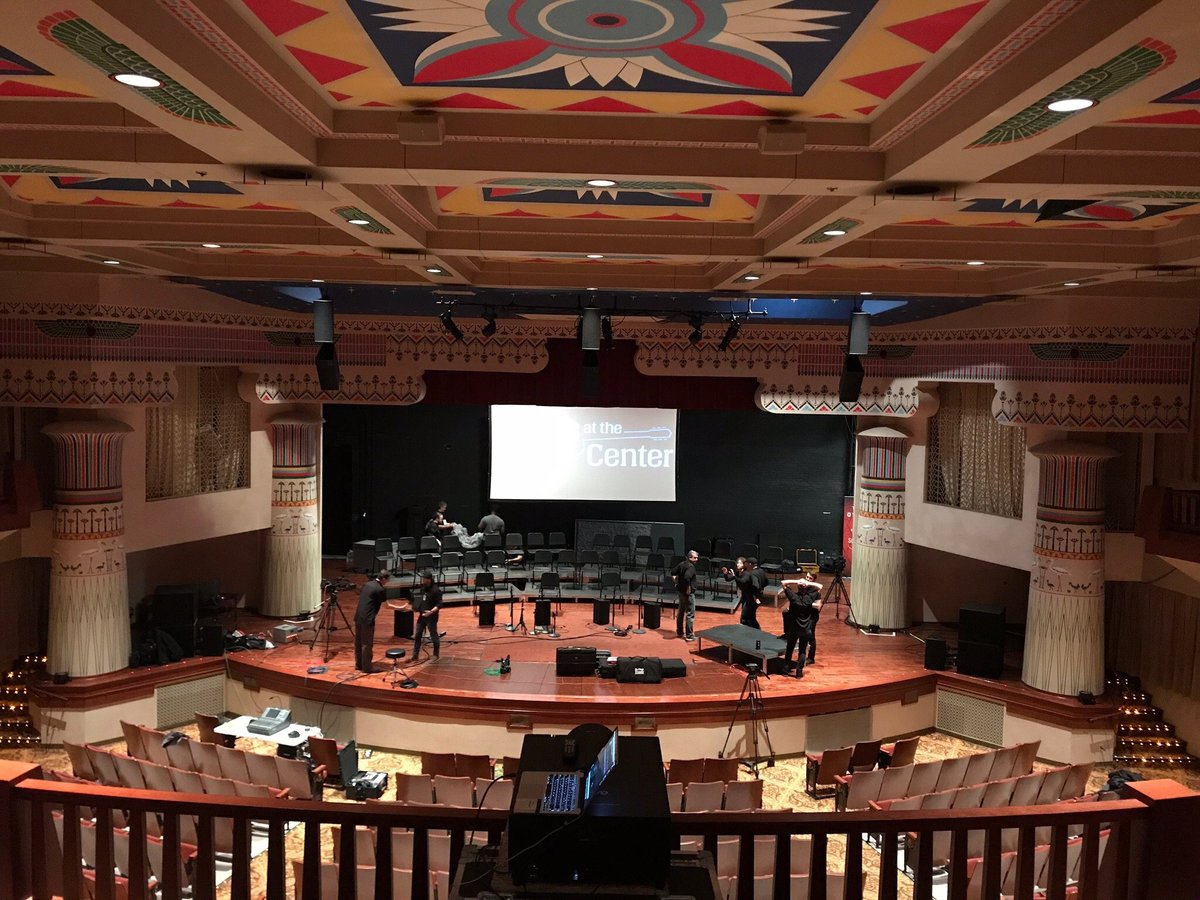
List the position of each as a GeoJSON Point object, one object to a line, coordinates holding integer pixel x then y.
{"type": "Point", "coordinates": [838, 595]}
{"type": "Point", "coordinates": [751, 698]}
{"type": "Point", "coordinates": [325, 619]}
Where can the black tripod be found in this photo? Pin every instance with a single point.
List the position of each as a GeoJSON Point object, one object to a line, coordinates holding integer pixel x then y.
{"type": "Point", "coordinates": [751, 697]}
{"type": "Point", "coordinates": [838, 595]}
{"type": "Point", "coordinates": [325, 619]}
{"type": "Point", "coordinates": [520, 625]}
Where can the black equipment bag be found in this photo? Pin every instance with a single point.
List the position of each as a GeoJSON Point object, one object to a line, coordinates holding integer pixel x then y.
{"type": "Point", "coordinates": [639, 670]}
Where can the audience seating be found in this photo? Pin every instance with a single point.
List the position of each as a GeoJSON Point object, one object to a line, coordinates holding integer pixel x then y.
{"type": "Point", "coordinates": [327, 758]}
{"type": "Point", "coordinates": [897, 782]}
{"type": "Point", "coordinates": [706, 769]}
{"type": "Point", "coordinates": [899, 753]}
{"type": "Point", "coordinates": [461, 764]}
{"type": "Point", "coordinates": [822, 771]}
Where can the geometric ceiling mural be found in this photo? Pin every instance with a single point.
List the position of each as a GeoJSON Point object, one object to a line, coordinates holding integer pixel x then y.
{"type": "Point", "coordinates": [105, 191]}
{"type": "Point", "coordinates": [1108, 212]}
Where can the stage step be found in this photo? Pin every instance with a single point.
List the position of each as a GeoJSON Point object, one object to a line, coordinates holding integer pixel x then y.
{"type": "Point", "coordinates": [1142, 737]}
{"type": "Point", "coordinates": [16, 724]}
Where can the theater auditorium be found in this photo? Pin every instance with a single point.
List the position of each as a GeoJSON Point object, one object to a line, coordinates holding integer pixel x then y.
{"type": "Point", "coordinates": [733, 449]}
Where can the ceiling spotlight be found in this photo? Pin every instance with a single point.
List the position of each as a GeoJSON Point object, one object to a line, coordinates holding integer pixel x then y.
{"type": "Point", "coordinates": [434, 270]}
{"type": "Point", "coordinates": [601, 182]}
{"type": "Point", "coordinates": [318, 281]}
{"type": "Point", "coordinates": [1072, 104]}
{"type": "Point", "coordinates": [358, 221]}
{"type": "Point", "coordinates": [976, 262]}
{"type": "Point", "coordinates": [834, 232]}
{"type": "Point", "coordinates": [132, 79]}
{"type": "Point", "coordinates": [211, 246]}
{"type": "Point", "coordinates": [865, 293]}
{"type": "Point", "coordinates": [697, 335]}
{"type": "Point", "coordinates": [751, 277]}
{"type": "Point", "coordinates": [450, 325]}
{"type": "Point", "coordinates": [1070, 284]}
{"type": "Point", "coordinates": [730, 335]}
{"type": "Point", "coordinates": [489, 327]}
{"type": "Point", "coordinates": [111, 262]}
{"type": "Point", "coordinates": [595, 256]}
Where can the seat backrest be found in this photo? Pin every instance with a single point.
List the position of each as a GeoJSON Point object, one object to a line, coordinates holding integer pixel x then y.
{"type": "Point", "coordinates": [905, 752]}
{"type": "Point", "coordinates": [665, 544]}
{"type": "Point", "coordinates": [703, 796]}
{"type": "Point", "coordinates": [542, 557]}
{"type": "Point", "coordinates": [383, 546]}
{"type": "Point", "coordinates": [864, 787]}
{"type": "Point", "coordinates": [186, 782]}
{"type": "Point", "coordinates": [722, 549]}
{"type": "Point", "coordinates": [473, 765]}
{"type": "Point", "coordinates": [621, 541]}
{"type": "Point", "coordinates": [414, 788]}
{"type": "Point", "coordinates": [1076, 782]}
{"type": "Point", "coordinates": [133, 740]}
{"type": "Point", "coordinates": [834, 763]}
{"type": "Point", "coordinates": [438, 764]}
{"type": "Point", "coordinates": [702, 546]}
{"type": "Point", "coordinates": [952, 773]}
{"type": "Point", "coordinates": [103, 766]}
{"type": "Point", "coordinates": [938, 800]}
{"type": "Point", "coordinates": [1052, 784]}
{"type": "Point", "coordinates": [453, 790]}
{"type": "Point", "coordinates": [968, 797]}
{"type": "Point", "coordinates": [716, 769]}
{"type": "Point", "coordinates": [1002, 763]}
{"type": "Point", "coordinates": [566, 557]}
{"type": "Point", "coordinates": [473, 559]}
{"type": "Point", "coordinates": [430, 543]}
{"type": "Point", "coordinates": [218, 787]}
{"type": "Point", "coordinates": [493, 541]}
{"type": "Point", "coordinates": [675, 796]}
{"type": "Point", "coordinates": [514, 540]}
{"type": "Point", "coordinates": [609, 578]}
{"type": "Point", "coordinates": [865, 756]}
{"type": "Point", "coordinates": [748, 550]}
{"type": "Point", "coordinates": [655, 561]}
{"type": "Point", "coordinates": [452, 560]}
{"type": "Point", "coordinates": [156, 777]}
{"type": "Point", "coordinates": [485, 581]}
{"type": "Point", "coordinates": [1026, 754]}
{"type": "Point", "coordinates": [180, 755]}
{"type": "Point", "coordinates": [773, 556]}
{"type": "Point", "coordinates": [558, 539]}
{"type": "Point", "coordinates": [262, 769]}
{"type": "Point", "coordinates": [406, 545]}
{"type": "Point", "coordinates": [895, 782]}
{"type": "Point", "coordinates": [495, 558]}
{"type": "Point", "coordinates": [206, 726]}
{"type": "Point", "coordinates": [979, 767]}
{"type": "Point", "coordinates": [233, 763]}
{"type": "Point", "coordinates": [1025, 792]}
{"type": "Point", "coordinates": [205, 758]}
{"type": "Point", "coordinates": [293, 774]}
{"type": "Point", "coordinates": [451, 542]}
{"type": "Point", "coordinates": [998, 793]}
{"type": "Point", "coordinates": [128, 770]}
{"type": "Point", "coordinates": [610, 558]}
{"type": "Point", "coordinates": [684, 771]}
{"type": "Point", "coordinates": [548, 580]}
{"type": "Point", "coordinates": [426, 561]}
{"type": "Point", "coordinates": [589, 558]}
{"type": "Point", "coordinates": [601, 541]}
{"type": "Point", "coordinates": [742, 795]}
{"type": "Point", "coordinates": [925, 778]}
{"type": "Point", "coordinates": [81, 764]}
{"type": "Point", "coordinates": [152, 742]}
{"type": "Point", "coordinates": [643, 542]}
{"type": "Point", "coordinates": [498, 793]}
{"type": "Point", "coordinates": [534, 540]}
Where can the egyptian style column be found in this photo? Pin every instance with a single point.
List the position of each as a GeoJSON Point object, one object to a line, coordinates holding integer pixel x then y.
{"type": "Point", "coordinates": [880, 595]}
{"type": "Point", "coordinates": [1064, 629]}
{"type": "Point", "coordinates": [292, 581]}
{"type": "Point", "coordinates": [89, 588]}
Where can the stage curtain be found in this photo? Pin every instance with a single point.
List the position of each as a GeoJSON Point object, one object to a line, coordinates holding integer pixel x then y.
{"type": "Point", "coordinates": [1154, 634]}
{"type": "Point", "coordinates": [974, 462]}
{"type": "Point", "coordinates": [200, 443]}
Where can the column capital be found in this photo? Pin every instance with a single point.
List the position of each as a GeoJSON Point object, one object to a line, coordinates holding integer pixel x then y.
{"type": "Point", "coordinates": [880, 432]}
{"type": "Point", "coordinates": [86, 426]}
{"type": "Point", "coordinates": [296, 418]}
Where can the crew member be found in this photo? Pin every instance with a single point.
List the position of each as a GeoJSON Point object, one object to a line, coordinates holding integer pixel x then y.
{"type": "Point", "coordinates": [426, 607]}
{"type": "Point", "coordinates": [437, 524]}
{"type": "Point", "coordinates": [812, 630]}
{"type": "Point", "coordinates": [684, 574]}
{"type": "Point", "coordinates": [372, 597]}
{"type": "Point", "coordinates": [750, 582]}
{"type": "Point", "coordinates": [803, 606]}
{"type": "Point", "coordinates": [491, 523]}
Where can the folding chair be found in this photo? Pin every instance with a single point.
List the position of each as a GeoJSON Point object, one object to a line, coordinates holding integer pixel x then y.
{"type": "Point", "coordinates": [535, 541]}
{"type": "Point", "coordinates": [642, 546]}
{"type": "Point", "coordinates": [665, 545]}
{"type": "Point", "coordinates": [623, 547]}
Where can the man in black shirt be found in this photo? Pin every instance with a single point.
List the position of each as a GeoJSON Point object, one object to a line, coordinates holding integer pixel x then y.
{"type": "Point", "coordinates": [426, 607]}
{"type": "Point", "coordinates": [751, 582]}
{"type": "Point", "coordinates": [372, 597]}
{"type": "Point", "coordinates": [685, 582]}
{"type": "Point", "coordinates": [803, 606]}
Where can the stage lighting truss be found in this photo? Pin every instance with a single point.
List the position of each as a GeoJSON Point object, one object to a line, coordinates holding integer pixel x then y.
{"type": "Point", "coordinates": [731, 333]}
{"type": "Point", "coordinates": [697, 335]}
{"type": "Point", "coordinates": [447, 319]}
{"type": "Point", "coordinates": [489, 327]}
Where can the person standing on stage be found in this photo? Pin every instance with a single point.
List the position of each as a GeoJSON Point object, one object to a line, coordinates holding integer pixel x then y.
{"type": "Point", "coordinates": [372, 597]}
{"type": "Point", "coordinates": [803, 607]}
{"type": "Point", "coordinates": [750, 582]}
{"type": "Point", "coordinates": [816, 618]}
{"type": "Point", "coordinates": [684, 574]}
{"type": "Point", "coordinates": [491, 523]}
{"type": "Point", "coordinates": [426, 607]}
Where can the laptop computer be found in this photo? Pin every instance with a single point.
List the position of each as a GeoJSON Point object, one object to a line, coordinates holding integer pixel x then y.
{"type": "Point", "coordinates": [565, 793]}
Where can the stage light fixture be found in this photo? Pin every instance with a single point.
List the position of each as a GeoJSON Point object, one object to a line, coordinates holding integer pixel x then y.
{"type": "Point", "coordinates": [751, 277]}
{"type": "Point", "coordinates": [1070, 284]}
{"type": "Point", "coordinates": [489, 327]}
{"type": "Point", "coordinates": [606, 329]}
{"type": "Point", "coordinates": [134, 80]}
{"type": "Point", "coordinates": [834, 232]}
{"type": "Point", "coordinates": [447, 319]}
{"type": "Point", "coordinates": [865, 293]}
{"type": "Point", "coordinates": [730, 335]}
{"type": "Point", "coordinates": [976, 262]}
{"type": "Point", "coordinates": [697, 335]}
{"type": "Point", "coordinates": [435, 270]}
{"type": "Point", "coordinates": [318, 281]}
{"type": "Point", "coordinates": [111, 262]}
{"type": "Point", "coordinates": [1071, 104]}
{"type": "Point", "coordinates": [211, 246]}
{"type": "Point", "coordinates": [595, 256]}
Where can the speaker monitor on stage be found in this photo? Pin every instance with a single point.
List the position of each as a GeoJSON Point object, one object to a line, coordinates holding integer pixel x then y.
{"type": "Point", "coordinates": [402, 623]}
{"type": "Point", "coordinates": [541, 614]}
{"type": "Point", "coordinates": [651, 615]}
{"type": "Point", "coordinates": [487, 613]}
{"type": "Point", "coordinates": [980, 659]}
{"type": "Point", "coordinates": [935, 654]}
{"type": "Point", "coordinates": [601, 611]}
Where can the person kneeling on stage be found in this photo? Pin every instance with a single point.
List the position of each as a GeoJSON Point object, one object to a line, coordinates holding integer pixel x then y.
{"type": "Point", "coordinates": [803, 605]}
{"type": "Point", "coordinates": [426, 607]}
{"type": "Point", "coordinates": [751, 582]}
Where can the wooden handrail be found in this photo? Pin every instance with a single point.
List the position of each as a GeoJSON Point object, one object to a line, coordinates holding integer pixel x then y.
{"type": "Point", "coordinates": [21, 786]}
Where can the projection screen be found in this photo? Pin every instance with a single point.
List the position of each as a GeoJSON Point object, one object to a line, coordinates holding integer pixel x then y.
{"type": "Point", "coordinates": [582, 453]}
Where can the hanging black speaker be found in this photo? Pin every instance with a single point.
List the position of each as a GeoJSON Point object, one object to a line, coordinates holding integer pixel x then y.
{"type": "Point", "coordinates": [329, 376]}
{"type": "Point", "coordinates": [850, 385]}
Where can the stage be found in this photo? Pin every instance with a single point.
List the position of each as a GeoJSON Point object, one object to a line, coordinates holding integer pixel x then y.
{"type": "Point", "coordinates": [860, 686]}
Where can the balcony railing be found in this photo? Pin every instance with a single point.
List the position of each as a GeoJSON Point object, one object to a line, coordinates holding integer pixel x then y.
{"type": "Point", "coordinates": [1147, 854]}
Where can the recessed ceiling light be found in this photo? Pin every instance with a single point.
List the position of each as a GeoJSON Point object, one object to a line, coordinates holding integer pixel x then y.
{"type": "Point", "coordinates": [434, 270]}
{"type": "Point", "coordinates": [1072, 104]}
{"type": "Point", "coordinates": [318, 281]}
{"type": "Point", "coordinates": [751, 277]}
{"type": "Point", "coordinates": [834, 232]}
{"type": "Point", "coordinates": [112, 262]}
{"type": "Point", "coordinates": [976, 262]}
{"type": "Point", "coordinates": [359, 221]}
{"type": "Point", "coordinates": [601, 182]}
{"type": "Point", "coordinates": [595, 256]}
{"type": "Point", "coordinates": [864, 293]}
{"type": "Point", "coordinates": [132, 79]}
{"type": "Point", "coordinates": [211, 246]}
{"type": "Point", "coordinates": [1070, 284]}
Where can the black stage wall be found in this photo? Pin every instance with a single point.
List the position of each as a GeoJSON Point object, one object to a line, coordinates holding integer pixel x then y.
{"type": "Point", "coordinates": [743, 473]}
